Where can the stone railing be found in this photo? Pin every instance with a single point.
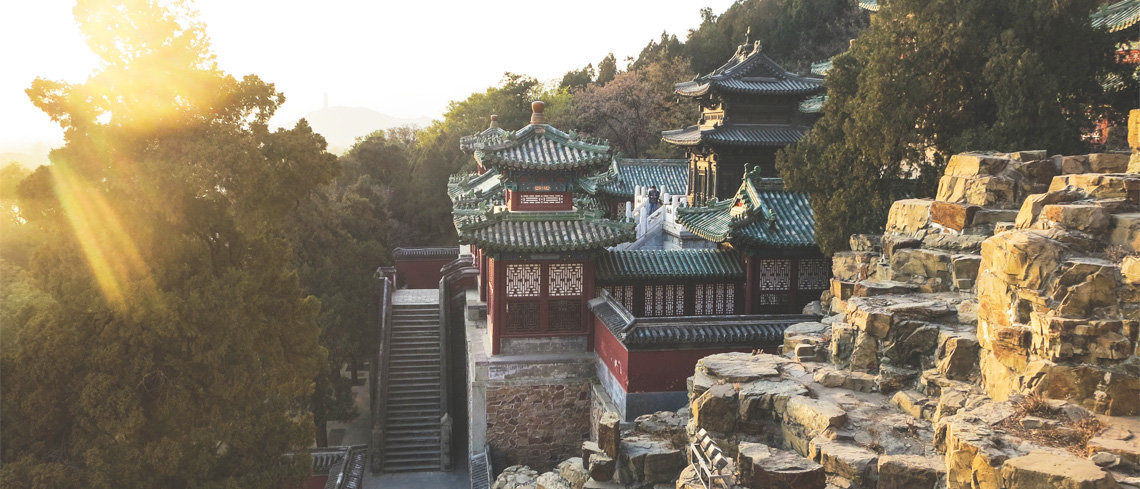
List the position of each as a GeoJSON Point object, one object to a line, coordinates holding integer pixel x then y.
{"type": "Point", "coordinates": [708, 460]}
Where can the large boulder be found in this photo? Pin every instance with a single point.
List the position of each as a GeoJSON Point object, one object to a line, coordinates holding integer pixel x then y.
{"type": "Point", "coordinates": [911, 472]}
{"type": "Point", "coordinates": [762, 467]}
{"type": "Point", "coordinates": [1045, 469]}
{"type": "Point", "coordinates": [718, 409]}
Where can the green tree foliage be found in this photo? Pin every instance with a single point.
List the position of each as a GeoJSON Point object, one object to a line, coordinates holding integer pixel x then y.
{"type": "Point", "coordinates": [607, 69]}
{"type": "Point", "coordinates": [929, 79]}
{"type": "Point", "coordinates": [339, 237]}
{"type": "Point", "coordinates": [793, 32]}
{"type": "Point", "coordinates": [159, 336]}
{"type": "Point", "coordinates": [578, 78]}
{"type": "Point", "coordinates": [665, 48]}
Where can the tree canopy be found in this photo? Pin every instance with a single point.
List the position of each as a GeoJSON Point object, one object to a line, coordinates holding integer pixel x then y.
{"type": "Point", "coordinates": [930, 78]}
{"type": "Point", "coordinates": [159, 337]}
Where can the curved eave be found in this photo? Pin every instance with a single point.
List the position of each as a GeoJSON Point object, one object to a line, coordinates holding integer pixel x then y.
{"type": "Point", "coordinates": [783, 87]}
{"type": "Point", "coordinates": [1118, 16]}
{"type": "Point", "coordinates": [544, 237]}
{"type": "Point", "coordinates": [498, 162]}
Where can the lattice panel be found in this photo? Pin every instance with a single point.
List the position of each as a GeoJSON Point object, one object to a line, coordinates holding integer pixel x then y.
{"type": "Point", "coordinates": [540, 199]}
{"type": "Point", "coordinates": [524, 280]}
{"type": "Point", "coordinates": [702, 299]}
{"type": "Point", "coordinates": [726, 299]}
{"type": "Point", "coordinates": [773, 299]}
{"type": "Point", "coordinates": [813, 274]}
{"type": "Point", "coordinates": [775, 274]}
{"type": "Point", "coordinates": [655, 300]}
{"type": "Point", "coordinates": [565, 280]}
{"type": "Point", "coordinates": [524, 317]}
{"type": "Point", "coordinates": [623, 294]}
{"type": "Point", "coordinates": [674, 300]}
{"type": "Point", "coordinates": [566, 316]}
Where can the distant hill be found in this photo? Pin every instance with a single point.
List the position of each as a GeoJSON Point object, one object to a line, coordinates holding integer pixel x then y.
{"type": "Point", "coordinates": [342, 125]}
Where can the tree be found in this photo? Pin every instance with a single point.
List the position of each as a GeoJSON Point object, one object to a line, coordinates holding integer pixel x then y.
{"type": "Point", "coordinates": [607, 69]}
{"type": "Point", "coordinates": [339, 237]}
{"type": "Point", "coordinates": [160, 337]}
{"type": "Point", "coordinates": [577, 78]}
{"type": "Point", "coordinates": [1006, 76]}
{"type": "Point", "coordinates": [633, 109]}
{"type": "Point", "coordinates": [793, 32]}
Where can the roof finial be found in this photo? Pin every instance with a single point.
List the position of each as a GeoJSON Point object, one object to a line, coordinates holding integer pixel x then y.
{"type": "Point", "coordinates": [494, 120]}
{"type": "Point", "coordinates": [537, 117]}
{"type": "Point", "coordinates": [748, 35]}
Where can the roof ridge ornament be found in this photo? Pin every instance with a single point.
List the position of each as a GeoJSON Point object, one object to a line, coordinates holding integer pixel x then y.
{"type": "Point", "coordinates": [494, 121]}
{"type": "Point", "coordinates": [537, 117]}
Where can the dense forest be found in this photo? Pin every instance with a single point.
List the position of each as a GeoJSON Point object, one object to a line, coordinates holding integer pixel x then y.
{"type": "Point", "coordinates": [183, 286]}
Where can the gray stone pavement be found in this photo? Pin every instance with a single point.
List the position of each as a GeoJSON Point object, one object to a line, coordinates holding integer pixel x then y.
{"type": "Point", "coordinates": [358, 431]}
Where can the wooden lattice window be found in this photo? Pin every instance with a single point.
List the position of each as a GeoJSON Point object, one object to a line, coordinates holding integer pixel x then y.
{"type": "Point", "coordinates": [774, 275]}
{"type": "Point", "coordinates": [725, 298]}
{"type": "Point", "coordinates": [701, 304]}
{"type": "Point", "coordinates": [524, 317]}
{"type": "Point", "coordinates": [773, 299]}
{"type": "Point", "coordinates": [813, 274]}
{"type": "Point", "coordinates": [623, 294]}
{"type": "Point", "coordinates": [524, 280]}
{"type": "Point", "coordinates": [565, 280]}
{"type": "Point", "coordinates": [566, 315]}
{"type": "Point", "coordinates": [674, 300]}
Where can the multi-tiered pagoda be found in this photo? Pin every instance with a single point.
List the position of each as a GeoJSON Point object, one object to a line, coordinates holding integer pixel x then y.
{"type": "Point", "coordinates": [750, 108]}
{"type": "Point", "coordinates": [533, 232]}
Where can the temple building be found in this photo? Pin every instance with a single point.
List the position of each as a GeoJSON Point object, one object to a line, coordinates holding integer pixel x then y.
{"type": "Point", "coordinates": [750, 108]}
{"type": "Point", "coordinates": [534, 245]}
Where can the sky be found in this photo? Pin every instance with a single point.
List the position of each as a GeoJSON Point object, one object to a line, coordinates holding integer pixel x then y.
{"type": "Point", "coordinates": [405, 58]}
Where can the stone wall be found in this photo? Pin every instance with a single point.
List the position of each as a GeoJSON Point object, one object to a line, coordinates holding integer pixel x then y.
{"type": "Point", "coordinates": [538, 425]}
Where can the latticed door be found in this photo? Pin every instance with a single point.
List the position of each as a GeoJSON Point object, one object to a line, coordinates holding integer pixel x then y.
{"type": "Point", "coordinates": [544, 298]}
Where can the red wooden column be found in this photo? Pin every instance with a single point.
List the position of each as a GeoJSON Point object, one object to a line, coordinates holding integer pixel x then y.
{"type": "Point", "coordinates": [483, 274]}
{"type": "Point", "coordinates": [498, 297]}
{"type": "Point", "coordinates": [749, 285]}
{"type": "Point", "coordinates": [587, 294]}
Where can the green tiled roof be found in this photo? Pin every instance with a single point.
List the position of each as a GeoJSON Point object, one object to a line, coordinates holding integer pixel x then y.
{"type": "Point", "coordinates": [471, 189]}
{"type": "Point", "coordinates": [751, 72]}
{"type": "Point", "coordinates": [540, 231]}
{"type": "Point", "coordinates": [488, 136]}
{"type": "Point", "coordinates": [821, 68]}
{"type": "Point", "coordinates": [736, 135]}
{"type": "Point", "coordinates": [813, 105]}
{"type": "Point", "coordinates": [870, 5]}
{"type": "Point", "coordinates": [1118, 16]}
{"type": "Point", "coordinates": [761, 215]}
{"type": "Point", "coordinates": [669, 175]}
{"type": "Point", "coordinates": [642, 265]}
{"type": "Point", "coordinates": [542, 147]}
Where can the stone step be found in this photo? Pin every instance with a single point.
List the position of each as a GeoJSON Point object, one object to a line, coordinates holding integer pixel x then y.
{"type": "Point", "coordinates": [413, 391]}
{"type": "Point", "coordinates": [411, 423]}
{"type": "Point", "coordinates": [411, 432]}
{"type": "Point", "coordinates": [415, 322]}
{"type": "Point", "coordinates": [413, 455]}
{"type": "Point", "coordinates": [401, 466]}
{"type": "Point", "coordinates": [426, 360]}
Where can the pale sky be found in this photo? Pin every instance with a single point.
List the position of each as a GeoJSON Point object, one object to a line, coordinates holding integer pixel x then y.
{"type": "Point", "coordinates": [406, 58]}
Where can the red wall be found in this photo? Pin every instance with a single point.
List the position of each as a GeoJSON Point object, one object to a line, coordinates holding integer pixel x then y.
{"type": "Point", "coordinates": [420, 274]}
{"type": "Point", "coordinates": [612, 353]}
{"type": "Point", "coordinates": [650, 371]}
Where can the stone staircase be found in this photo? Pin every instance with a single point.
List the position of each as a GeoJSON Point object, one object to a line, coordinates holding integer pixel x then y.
{"type": "Point", "coordinates": [412, 425]}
